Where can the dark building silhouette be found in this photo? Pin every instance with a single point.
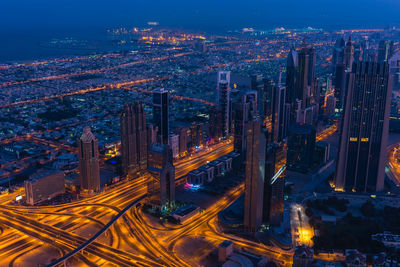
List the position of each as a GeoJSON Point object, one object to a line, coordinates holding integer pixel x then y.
{"type": "Point", "coordinates": [224, 100]}
{"type": "Point", "coordinates": [133, 139]}
{"type": "Point", "coordinates": [364, 129]}
{"type": "Point", "coordinates": [349, 55]}
{"type": "Point", "coordinates": [215, 123]}
{"type": "Point", "coordinates": [255, 175]}
{"type": "Point", "coordinates": [300, 147]}
{"type": "Point", "coordinates": [340, 79]}
{"type": "Point", "coordinates": [385, 50]}
{"type": "Point", "coordinates": [89, 170]}
{"type": "Point", "coordinates": [161, 185]}
{"type": "Point", "coordinates": [273, 196]}
{"type": "Point", "coordinates": [160, 114]}
{"type": "Point", "coordinates": [338, 53]}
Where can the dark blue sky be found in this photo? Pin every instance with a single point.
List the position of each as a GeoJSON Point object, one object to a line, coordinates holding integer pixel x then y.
{"type": "Point", "coordinates": [80, 15]}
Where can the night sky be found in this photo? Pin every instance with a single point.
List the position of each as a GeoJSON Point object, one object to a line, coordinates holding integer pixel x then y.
{"type": "Point", "coordinates": [207, 15]}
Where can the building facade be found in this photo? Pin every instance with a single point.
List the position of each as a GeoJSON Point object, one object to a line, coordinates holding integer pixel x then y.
{"type": "Point", "coordinates": [364, 129]}
{"type": "Point", "coordinates": [89, 169]}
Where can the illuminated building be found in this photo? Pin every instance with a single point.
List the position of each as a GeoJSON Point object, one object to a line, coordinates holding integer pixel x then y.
{"type": "Point", "coordinates": [340, 79]}
{"type": "Point", "coordinates": [364, 129]}
{"type": "Point", "coordinates": [385, 50]}
{"type": "Point", "coordinates": [161, 185]}
{"type": "Point", "coordinates": [255, 174]}
{"type": "Point", "coordinates": [300, 147]}
{"type": "Point", "coordinates": [133, 139]}
{"type": "Point", "coordinates": [215, 123]}
{"type": "Point", "coordinates": [174, 144]}
{"type": "Point", "coordinates": [44, 185]}
{"type": "Point", "coordinates": [160, 114]}
{"type": "Point", "coordinates": [348, 55]}
{"type": "Point", "coordinates": [89, 170]}
{"type": "Point", "coordinates": [196, 134]}
{"type": "Point", "coordinates": [303, 256]}
{"type": "Point", "coordinates": [224, 100]}
{"type": "Point", "coordinates": [183, 136]}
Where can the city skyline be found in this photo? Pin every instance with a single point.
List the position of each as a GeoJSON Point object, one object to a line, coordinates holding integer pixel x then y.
{"type": "Point", "coordinates": [157, 141]}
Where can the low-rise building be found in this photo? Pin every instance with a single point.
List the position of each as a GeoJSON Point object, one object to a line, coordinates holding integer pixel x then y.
{"type": "Point", "coordinates": [44, 185]}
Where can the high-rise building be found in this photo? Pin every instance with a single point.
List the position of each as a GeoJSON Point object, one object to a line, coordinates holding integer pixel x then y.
{"type": "Point", "coordinates": [291, 83]}
{"type": "Point", "coordinates": [161, 185]}
{"type": "Point", "coordinates": [255, 174]}
{"type": "Point", "coordinates": [364, 129]}
{"type": "Point", "coordinates": [151, 134]}
{"type": "Point", "coordinates": [196, 134]}
{"type": "Point", "coordinates": [300, 147]}
{"type": "Point", "coordinates": [280, 119]}
{"type": "Point", "coordinates": [160, 114]}
{"type": "Point", "coordinates": [242, 112]}
{"type": "Point", "coordinates": [89, 169]}
{"type": "Point", "coordinates": [215, 123]}
{"type": "Point", "coordinates": [385, 50]}
{"type": "Point", "coordinates": [349, 55]}
{"type": "Point", "coordinates": [273, 199]}
{"type": "Point", "coordinates": [183, 141]}
{"type": "Point", "coordinates": [394, 70]}
{"type": "Point", "coordinates": [340, 79]}
{"type": "Point", "coordinates": [224, 79]}
{"type": "Point", "coordinates": [257, 84]}
{"type": "Point", "coordinates": [133, 139]}
{"type": "Point", "coordinates": [338, 53]}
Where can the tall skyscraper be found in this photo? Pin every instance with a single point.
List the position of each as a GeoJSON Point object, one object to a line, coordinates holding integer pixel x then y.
{"type": "Point", "coordinates": [340, 78]}
{"type": "Point", "coordinates": [257, 84]}
{"type": "Point", "coordinates": [349, 55]}
{"type": "Point", "coordinates": [255, 175]}
{"type": "Point", "coordinates": [280, 119]}
{"type": "Point", "coordinates": [338, 53]}
{"type": "Point", "coordinates": [385, 50]}
{"type": "Point", "coordinates": [161, 185]}
{"type": "Point", "coordinates": [300, 147]}
{"type": "Point", "coordinates": [364, 130]}
{"type": "Point", "coordinates": [273, 199]}
{"type": "Point", "coordinates": [242, 112]}
{"type": "Point", "coordinates": [89, 169]}
{"type": "Point", "coordinates": [291, 83]}
{"type": "Point", "coordinates": [215, 123]}
{"type": "Point", "coordinates": [224, 79]}
{"type": "Point", "coordinates": [133, 139]}
{"type": "Point", "coordinates": [160, 114]}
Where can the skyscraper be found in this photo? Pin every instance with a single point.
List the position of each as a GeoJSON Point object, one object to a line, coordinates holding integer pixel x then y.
{"type": "Point", "coordinates": [385, 50]}
{"type": "Point", "coordinates": [133, 139]}
{"type": "Point", "coordinates": [89, 170]}
{"type": "Point", "coordinates": [338, 53]}
{"type": "Point", "coordinates": [273, 199]}
{"type": "Point", "coordinates": [160, 114]}
{"type": "Point", "coordinates": [300, 147]}
{"type": "Point", "coordinates": [340, 78]}
{"type": "Point", "coordinates": [255, 175]}
{"type": "Point", "coordinates": [349, 55]}
{"type": "Point", "coordinates": [161, 185]}
{"type": "Point", "coordinates": [242, 112]}
{"type": "Point", "coordinates": [291, 83]}
{"type": "Point", "coordinates": [364, 130]}
{"type": "Point", "coordinates": [224, 79]}
{"type": "Point", "coordinates": [257, 84]}
{"type": "Point", "coordinates": [215, 123]}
